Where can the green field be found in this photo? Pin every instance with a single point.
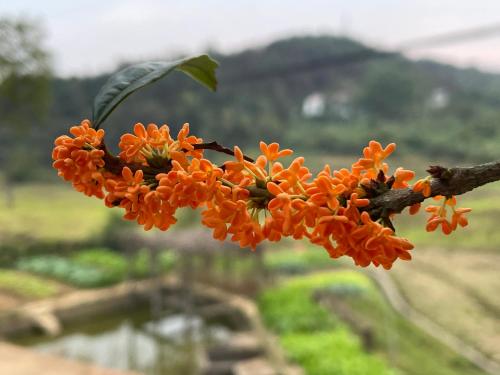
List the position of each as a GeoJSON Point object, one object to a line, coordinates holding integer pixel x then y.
{"type": "Point", "coordinates": [314, 337]}
{"type": "Point", "coordinates": [459, 291]}
{"type": "Point", "coordinates": [51, 212]}
{"type": "Point", "coordinates": [57, 212]}
{"type": "Point", "coordinates": [26, 286]}
{"type": "Point", "coordinates": [453, 279]}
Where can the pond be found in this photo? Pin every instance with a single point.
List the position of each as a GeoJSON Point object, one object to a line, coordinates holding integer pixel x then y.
{"type": "Point", "coordinates": [172, 344]}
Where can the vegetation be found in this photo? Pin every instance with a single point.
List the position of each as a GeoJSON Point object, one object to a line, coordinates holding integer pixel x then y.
{"type": "Point", "coordinates": [464, 284]}
{"type": "Point", "coordinates": [93, 268]}
{"type": "Point", "coordinates": [310, 334]}
{"type": "Point", "coordinates": [301, 260]}
{"type": "Point", "coordinates": [417, 96]}
{"type": "Point", "coordinates": [319, 342]}
{"type": "Point", "coordinates": [24, 92]}
{"type": "Point", "coordinates": [405, 346]}
{"type": "Point", "coordinates": [50, 218]}
{"type": "Point", "coordinates": [65, 270]}
{"type": "Point", "coordinates": [27, 286]}
{"type": "Point", "coordinates": [427, 108]}
{"type": "Point", "coordinates": [114, 264]}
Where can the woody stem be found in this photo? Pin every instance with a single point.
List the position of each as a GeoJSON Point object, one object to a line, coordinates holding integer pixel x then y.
{"type": "Point", "coordinates": [214, 146]}
{"type": "Point", "coordinates": [446, 182]}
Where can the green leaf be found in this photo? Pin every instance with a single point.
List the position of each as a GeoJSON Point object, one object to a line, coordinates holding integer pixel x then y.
{"type": "Point", "coordinates": [127, 81]}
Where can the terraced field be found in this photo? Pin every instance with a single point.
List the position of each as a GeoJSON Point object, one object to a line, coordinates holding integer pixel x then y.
{"type": "Point", "coordinates": [459, 291]}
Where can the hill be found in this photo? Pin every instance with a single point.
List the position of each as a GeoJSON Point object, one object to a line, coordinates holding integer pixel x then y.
{"type": "Point", "coordinates": [317, 94]}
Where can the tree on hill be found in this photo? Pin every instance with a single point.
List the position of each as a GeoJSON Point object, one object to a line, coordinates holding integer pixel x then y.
{"type": "Point", "coordinates": [24, 94]}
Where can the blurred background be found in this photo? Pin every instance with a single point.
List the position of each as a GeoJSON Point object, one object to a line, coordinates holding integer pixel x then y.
{"type": "Point", "coordinates": [321, 77]}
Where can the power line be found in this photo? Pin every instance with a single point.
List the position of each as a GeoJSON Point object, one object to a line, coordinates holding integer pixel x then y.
{"type": "Point", "coordinates": [452, 37]}
{"type": "Point", "coordinates": [361, 55]}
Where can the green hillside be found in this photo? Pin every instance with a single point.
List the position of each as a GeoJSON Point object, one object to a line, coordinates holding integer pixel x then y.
{"type": "Point", "coordinates": [321, 95]}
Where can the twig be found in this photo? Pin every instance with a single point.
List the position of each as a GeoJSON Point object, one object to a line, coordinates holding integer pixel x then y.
{"type": "Point", "coordinates": [214, 146]}
{"type": "Point", "coordinates": [452, 181]}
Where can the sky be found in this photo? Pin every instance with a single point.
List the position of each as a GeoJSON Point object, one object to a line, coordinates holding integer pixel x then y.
{"type": "Point", "coordinates": [90, 37]}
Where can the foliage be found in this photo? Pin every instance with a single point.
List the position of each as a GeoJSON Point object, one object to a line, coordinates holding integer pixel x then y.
{"type": "Point", "coordinates": [27, 286]}
{"type": "Point", "coordinates": [289, 307]}
{"type": "Point", "coordinates": [95, 267]}
{"type": "Point", "coordinates": [332, 352]}
{"type": "Point", "coordinates": [141, 265]}
{"type": "Point", "coordinates": [309, 333]}
{"type": "Point", "coordinates": [24, 71]}
{"type": "Point", "coordinates": [297, 261]}
{"type": "Point", "coordinates": [247, 108]}
{"type": "Point", "coordinates": [114, 264]}
{"type": "Point", "coordinates": [66, 270]}
{"type": "Point", "coordinates": [320, 342]}
{"type": "Point", "coordinates": [390, 90]}
{"type": "Point", "coordinates": [404, 345]}
{"type": "Point", "coordinates": [127, 81]}
{"type": "Point", "coordinates": [24, 92]}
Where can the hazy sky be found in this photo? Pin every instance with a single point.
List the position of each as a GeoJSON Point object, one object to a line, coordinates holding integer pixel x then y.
{"type": "Point", "coordinates": [88, 37]}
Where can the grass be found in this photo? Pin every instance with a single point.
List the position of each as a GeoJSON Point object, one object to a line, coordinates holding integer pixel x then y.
{"type": "Point", "coordinates": [320, 343]}
{"type": "Point", "coordinates": [404, 346]}
{"type": "Point", "coordinates": [51, 212]}
{"type": "Point", "coordinates": [312, 336]}
{"type": "Point", "coordinates": [459, 291]}
{"type": "Point", "coordinates": [27, 286]}
{"type": "Point", "coordinates": [332, 352]}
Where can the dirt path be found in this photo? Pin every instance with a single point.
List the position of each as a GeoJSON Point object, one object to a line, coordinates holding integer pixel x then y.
{"type": "Point", "coordinates": [8, 302]}
{"type": "Point", "coordinates": [397, 301]}
{"type": "Point", "coordinates": [15, 360]}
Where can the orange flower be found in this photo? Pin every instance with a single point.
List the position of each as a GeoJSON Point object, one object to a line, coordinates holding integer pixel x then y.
{"type": "Point", "coordinates": [415, 208]}
{"type": "Point", "coordinates": [248, 201]}
{"type": "Point", "coordinates": [439, 216]}
{"type": "Point", "coordinates": [458, 217]}
{"type": "Point", "coordinates": [423, 186]}
{"type": "Point", "coordinates": [155, 145]}
{"type": "Point", "coordinates": [271, 152]}
{"type": "Point", "coordinates": [80, 160]}
{"type": "Point", "coordinates": [191, 186]}
{"type": "Point", "coordinates": [401, 178]}
{"type": "Point", "coordinates": [372, 163]}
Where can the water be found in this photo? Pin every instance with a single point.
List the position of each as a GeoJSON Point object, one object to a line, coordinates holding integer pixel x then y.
{"type": "Point", "coordinates": [170, 345]}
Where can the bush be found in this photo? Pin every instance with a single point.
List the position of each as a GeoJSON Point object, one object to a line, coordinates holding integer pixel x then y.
{"type": "Point", "coordinates": [141, 263]}
{"type": "Point", "coordinates": [332, 352]}
{"type": "Point", "coordinates": [94, 267]}
{"type": "Point", "coordinates": [293, 262]}
{"type": "Point", "coordinates": [113, 263]}
{"type": "Point", "coordinates": [66, 270]}
{"type": "Point", "coordinates": [310, 334]}
{"type": "Point", "coordinates": [291, 309]}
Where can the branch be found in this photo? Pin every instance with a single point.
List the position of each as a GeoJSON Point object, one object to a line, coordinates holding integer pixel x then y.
{"type": "Point", "coordinates": [214, 146]}
{"type": "Point", "coordinates": [446, 182]}
{"type": "Point", "coordinates": [115, 165]}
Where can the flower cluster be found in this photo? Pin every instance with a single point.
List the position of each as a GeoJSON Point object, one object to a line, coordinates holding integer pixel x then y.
{"type": "Point", "coordinates": [247, 200]}
{"type": "Point", "coordinates": [80, 159]}
{"type": "Point", "coordinates": [439, 215]}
